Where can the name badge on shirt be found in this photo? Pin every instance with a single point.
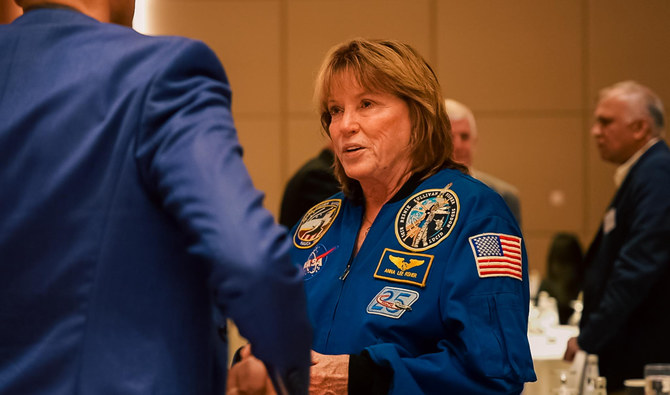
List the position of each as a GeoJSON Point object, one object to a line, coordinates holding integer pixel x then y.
{"type": "Point", "coordinates": [609, 222]}
{"type": "Point", "coordinates": [404, 267]}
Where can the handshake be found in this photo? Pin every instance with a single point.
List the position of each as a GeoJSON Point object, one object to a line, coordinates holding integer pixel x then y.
{"type": "Point", "coordinates": [250, 376]}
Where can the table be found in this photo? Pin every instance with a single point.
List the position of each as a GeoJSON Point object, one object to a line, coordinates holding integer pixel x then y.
{"type": "Point", "coordinates": [547, 349]}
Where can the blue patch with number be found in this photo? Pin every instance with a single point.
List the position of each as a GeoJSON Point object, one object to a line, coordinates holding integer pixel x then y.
{"type": "Point", "coordinates": [392, 302]}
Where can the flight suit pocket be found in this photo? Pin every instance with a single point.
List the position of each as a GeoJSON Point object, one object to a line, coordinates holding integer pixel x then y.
{"type": "Point", "coordinates": [487, 338]}
{"type": "Point", "coordinates": [500, 336]}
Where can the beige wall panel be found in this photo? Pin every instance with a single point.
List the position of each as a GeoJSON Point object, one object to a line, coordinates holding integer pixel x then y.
{"type": "Point", "coordinates": [521, 55]}
{"type": "Point", "coordinates": [630, 40]}
{"type": "Point", "coordinates": [542, 157]}
{"type": "Point", "coordinates": [260, 139]}
{"type": "Point", "coordinates": [245, 36]}
{"type": "Point", "coordinates": [305, 141]}
{"type": "Point", "coordinates": [315, 26]}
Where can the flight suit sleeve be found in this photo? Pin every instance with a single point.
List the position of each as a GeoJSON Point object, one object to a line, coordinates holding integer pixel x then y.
{"type": "Point", "coordinates": [485, 346]}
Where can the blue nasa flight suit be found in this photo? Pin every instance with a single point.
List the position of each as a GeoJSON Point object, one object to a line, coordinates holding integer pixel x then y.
{"type": "Point", "coordinates": [414, 297]}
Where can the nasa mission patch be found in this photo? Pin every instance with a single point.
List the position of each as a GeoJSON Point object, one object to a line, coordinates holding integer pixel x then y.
{"type": "Point", "coordinates": [315, 223]}
{"type": "Point", "coordinates": [427, 218]}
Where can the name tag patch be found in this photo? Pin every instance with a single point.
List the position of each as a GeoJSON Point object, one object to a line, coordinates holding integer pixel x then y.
{"type": "Point", "coordinates": [609, 222]}
{"type": "Point", "coordinates": [392, 302]}
{"type": "Point", "coordinates": [403, 267]}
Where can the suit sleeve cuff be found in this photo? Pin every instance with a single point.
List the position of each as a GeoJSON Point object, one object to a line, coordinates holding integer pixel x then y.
{"type": "Point", "coordinates": [366, 377]}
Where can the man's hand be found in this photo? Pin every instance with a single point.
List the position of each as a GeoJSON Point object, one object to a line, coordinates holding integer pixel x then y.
{"type": "Point", "coordinates": [571, 349]}
{"type": "Point", "coordinates": [329, 374]}
{"type": "Point", "coordinates": [249, 376]}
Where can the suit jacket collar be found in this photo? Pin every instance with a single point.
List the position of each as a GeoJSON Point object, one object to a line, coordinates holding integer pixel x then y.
{"type": "Point", "coordinates": [657, 148]}
{"type": "Point", "coordinates": [623, 170]}
{"type": "Point", "coordinates": [53, 15]}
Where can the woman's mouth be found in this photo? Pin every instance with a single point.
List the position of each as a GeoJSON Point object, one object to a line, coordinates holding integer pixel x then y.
{"type": "Point", "coordinates": [352, 148]}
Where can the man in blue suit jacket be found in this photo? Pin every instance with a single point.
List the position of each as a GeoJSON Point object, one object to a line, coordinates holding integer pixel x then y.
{"type": "Point", "coordinates": [129, 226]}
{"type": "Point", "coordinates": [625, 319]}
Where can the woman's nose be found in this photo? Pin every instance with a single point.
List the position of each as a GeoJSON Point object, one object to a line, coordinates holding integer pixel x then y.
{"type": "Point", "coordinates": [350, 123]}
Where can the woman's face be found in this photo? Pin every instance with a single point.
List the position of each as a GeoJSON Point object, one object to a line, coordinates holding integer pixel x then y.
{"type": "Point", "coordinates": [370, 132]}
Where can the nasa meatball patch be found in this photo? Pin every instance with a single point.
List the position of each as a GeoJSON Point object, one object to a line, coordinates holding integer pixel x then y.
{"type": "Point", "coordinates": [315, 261]}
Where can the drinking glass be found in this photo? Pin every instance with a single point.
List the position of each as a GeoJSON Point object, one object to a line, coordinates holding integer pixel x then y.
{"type": "Point", "coordinates": [657, 379]}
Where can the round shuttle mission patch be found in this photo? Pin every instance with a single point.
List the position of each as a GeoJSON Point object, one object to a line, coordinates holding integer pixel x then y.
{"type": "Point", "coordinates": [315, 223]}
{"type": "Point", "coordinates": [427, 218]}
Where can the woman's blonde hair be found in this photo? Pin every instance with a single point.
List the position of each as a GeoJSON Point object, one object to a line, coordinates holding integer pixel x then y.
{"type": "Point", "coordinates": [392, 67]}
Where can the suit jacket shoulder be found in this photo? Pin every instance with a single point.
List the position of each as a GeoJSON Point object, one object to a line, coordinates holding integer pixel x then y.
{"type": "Point", "coordinates": [508, 191]}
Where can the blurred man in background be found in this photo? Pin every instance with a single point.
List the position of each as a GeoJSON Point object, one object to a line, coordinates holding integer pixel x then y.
{"type": "Point", "coordinates": [464, 132]}
{"type": "Point", "coordinates": [625, 320]}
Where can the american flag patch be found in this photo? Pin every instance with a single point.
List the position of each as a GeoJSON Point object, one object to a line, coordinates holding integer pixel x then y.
{"type": "Point", "coordinates": [497, 255]}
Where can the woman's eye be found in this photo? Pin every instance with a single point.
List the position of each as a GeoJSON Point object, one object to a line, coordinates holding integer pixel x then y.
{"type": "Point", "coordinates": [334, 110]}
{"type": "Point", "coordinates": [366, 104]}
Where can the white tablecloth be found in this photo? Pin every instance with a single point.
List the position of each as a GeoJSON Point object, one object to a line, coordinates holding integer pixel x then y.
{"type": "Point", "coordinates": [547, 350]}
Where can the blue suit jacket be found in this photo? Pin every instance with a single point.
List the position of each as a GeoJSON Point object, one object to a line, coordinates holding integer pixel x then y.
{"type": "Point", "coordinates": [129, 225]}
{"type": "Point", "coordinates": [625, 319]}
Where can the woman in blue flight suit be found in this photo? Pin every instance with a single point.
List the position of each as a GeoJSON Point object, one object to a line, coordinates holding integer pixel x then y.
{"type": "Point", "coordinates": [416, 274]}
